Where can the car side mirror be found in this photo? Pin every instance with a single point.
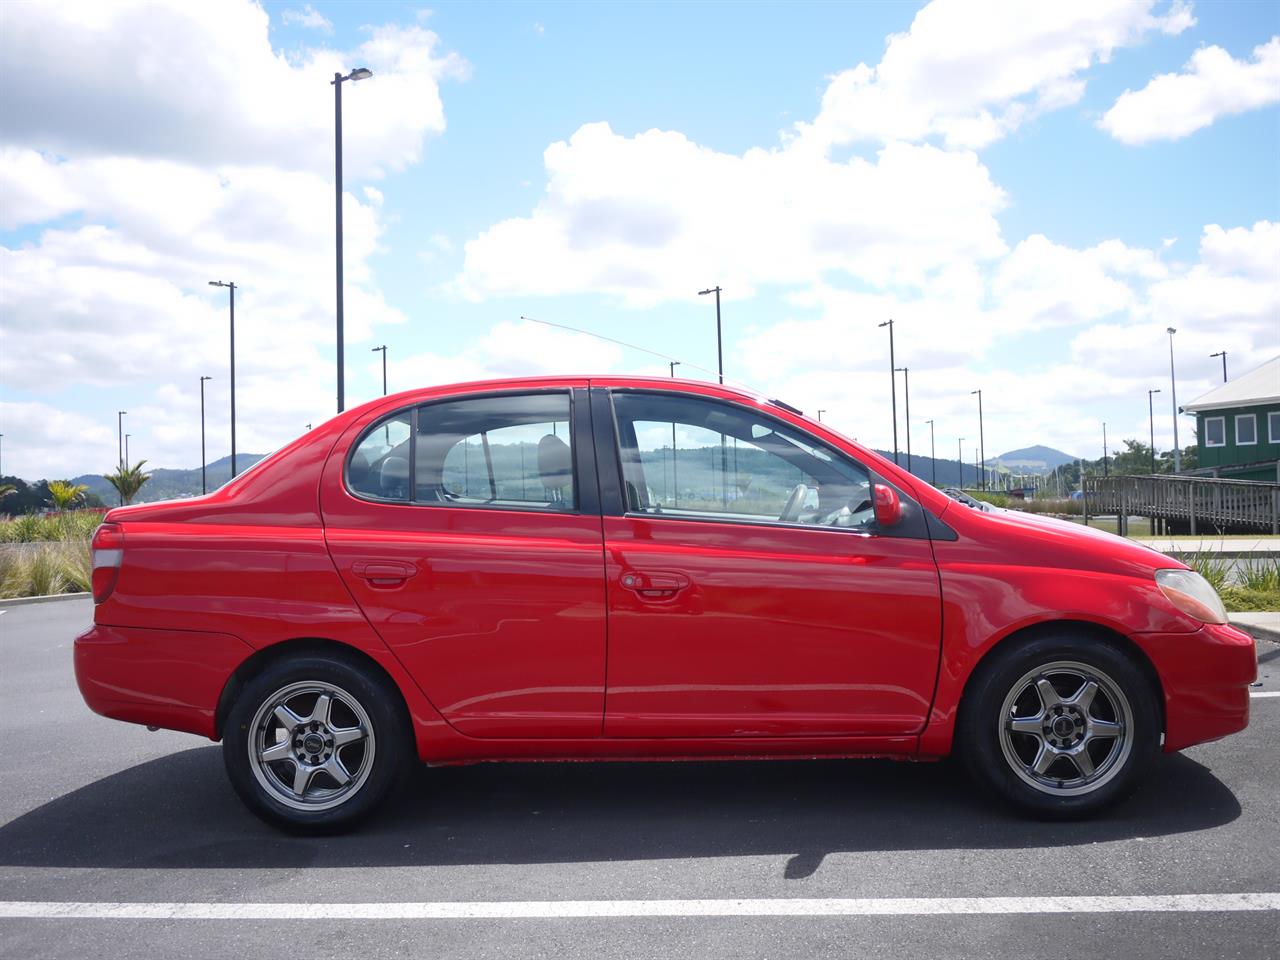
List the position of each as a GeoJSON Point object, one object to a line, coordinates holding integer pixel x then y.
{"type": "Point", "coordinates": [887, 505]}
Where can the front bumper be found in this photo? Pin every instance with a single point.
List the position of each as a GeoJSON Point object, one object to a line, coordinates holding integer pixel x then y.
{"type": "Point", "coordinates": [1206, 677]}
{"type": "Point", "coordinates": [163, 678]}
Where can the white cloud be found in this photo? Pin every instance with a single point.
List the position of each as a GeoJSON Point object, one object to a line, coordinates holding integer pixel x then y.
{"type": "Point", "coordinates": [308, 17]}
{"type": "Point", "coordinates": [511, 349]}
{"type": "Point", "coordinates": [107, 138]}
{"type": "Point", "coordinates": [970, 73]}
{"type": "Point", "coordinates": [52, 443]}
{"type": "Point", "coordinates": [1109, 304]}
{"type": "Point", "coordinates": [1213, 85]}
{"type": "Point", "coordinates": [199, 82]}
{"type": "Point", "coordinates": [650, 218]}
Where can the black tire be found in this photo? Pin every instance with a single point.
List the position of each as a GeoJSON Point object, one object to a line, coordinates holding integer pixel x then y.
{"type": "Point", "coordinates": [362, 731]}
{"type": "Point", "coordinates": [1009, 728]}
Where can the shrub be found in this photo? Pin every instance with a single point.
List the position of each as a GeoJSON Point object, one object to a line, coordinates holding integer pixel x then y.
{"type": "Point", "coordinates": [44, 569]}
{"type": "Point", "coordinates": [1262, 576]}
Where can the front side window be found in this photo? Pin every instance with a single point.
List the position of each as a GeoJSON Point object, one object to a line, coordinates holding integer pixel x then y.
{"type": "Point", "coordinates": [1246, 429]}
{"type": "Point", "coordinates": [695, 458]}
{"type": "Point", "coordinates": [1215, 432]}
{"type": "Point", "coordinates": [1273, 426]}
{"type": "Point", "coordinates": [507, 451]}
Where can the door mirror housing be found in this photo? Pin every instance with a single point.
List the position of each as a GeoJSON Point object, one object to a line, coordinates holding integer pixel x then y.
{"type": "Point", "coordinates": [888, 506]}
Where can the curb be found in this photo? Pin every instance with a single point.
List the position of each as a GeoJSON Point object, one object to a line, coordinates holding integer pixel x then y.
{"type": "Point", "coordinates": [47, 598]}
{"type": "Point", "coordinates": [1255, 631]}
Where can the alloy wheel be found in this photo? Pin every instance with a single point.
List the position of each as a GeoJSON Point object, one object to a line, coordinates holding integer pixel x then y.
{"type": "Point", "coordinates": [311, 745]}
{"type": "Point", "coordinates": [1066, 728]}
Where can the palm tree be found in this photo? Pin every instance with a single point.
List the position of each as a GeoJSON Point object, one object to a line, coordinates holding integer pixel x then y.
{"type": "Point", "coordinates": [128, 480]}
{"type": "Point", "coordinates": [6, 489]}
{"type": "Point", "coordinates": [63, 493]}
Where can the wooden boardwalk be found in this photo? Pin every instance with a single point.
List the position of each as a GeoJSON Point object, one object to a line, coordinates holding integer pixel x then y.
{"type": "Point", "coordinates": [1193, 504]}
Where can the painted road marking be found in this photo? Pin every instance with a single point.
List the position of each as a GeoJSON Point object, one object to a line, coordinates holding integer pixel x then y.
{"type": "Point", "coordinates": [1264, 693]}
{"type": "Point", "coordinates": [561, 909]}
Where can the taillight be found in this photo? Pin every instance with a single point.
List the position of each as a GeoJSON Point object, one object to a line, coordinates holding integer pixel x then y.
{"type": "Point", "coordinates": [108, 555]}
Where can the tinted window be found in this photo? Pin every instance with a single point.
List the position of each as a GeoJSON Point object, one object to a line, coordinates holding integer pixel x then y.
{"type": "Point", "coordinates": [686, 456]}
{"type": "Point", "coordinates": [497, 451]}
{"type": "Point", "coordinates": [379, 466]}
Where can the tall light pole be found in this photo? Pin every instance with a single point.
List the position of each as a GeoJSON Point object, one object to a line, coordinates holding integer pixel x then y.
{"type": "Point", "coordinates": [893, 389]}
{"type": "Point", "coordinates": [126, 446]}
{"type": "Point", "coordinates": [232, 288]}
{"type": "Point", "coordinates": [960, 458]}
{"type": "Point", "coordinates": [1173, 390]}
{"type": "Point", "coordinates": [204, 481]}
{"type": "Point", "coordinates": [1223, 355]}
{"type": "Point", "coordinates": [933, 456]}
{"type": "Point", "coordinates": [1151, 420]}
{"type": "Point", "coordinates": [821, 411]}
{"type": "Point", "coordinates": [719, 345]}
{"type": "Point", "coordinates": [383, 348]}
{"type": "Point", "coordinates": [120, 444]}
{"type": "Point", "coordinates": [982, 444]}
{"type": "Point", "coordinates": [673, 364]}
{"type": "Point", "coordinates": [1105, 472]}
{"type": "Point", "coordinates": [360, 73]}
{"type": "Point", "coordinates": [906, 392]}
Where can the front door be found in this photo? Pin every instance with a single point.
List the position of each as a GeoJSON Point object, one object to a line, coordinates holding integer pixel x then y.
{"type": "Point", "coordinates": [751, 593]}
{"type": "Point", "coordinates": [468, 531]}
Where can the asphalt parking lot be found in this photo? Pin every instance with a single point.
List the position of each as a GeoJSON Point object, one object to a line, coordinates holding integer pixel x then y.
{"type": "Point", "coordinates": [473, 861]}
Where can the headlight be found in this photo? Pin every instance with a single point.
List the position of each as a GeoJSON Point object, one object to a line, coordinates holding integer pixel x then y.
{"type": "Point", "coordinates": [1191, 593]}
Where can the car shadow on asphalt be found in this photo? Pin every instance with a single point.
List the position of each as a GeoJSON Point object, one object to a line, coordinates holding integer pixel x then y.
{"type": "Point", "coordinates": [178, 811]}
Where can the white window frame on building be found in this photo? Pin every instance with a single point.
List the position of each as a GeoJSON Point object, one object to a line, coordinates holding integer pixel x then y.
{"type": "Point", "coordinates": [1273, 426]}
{"type": "Point", "coordinates": [1253, 420]}
{"type": "Point", "coordinates": [1222, 426]}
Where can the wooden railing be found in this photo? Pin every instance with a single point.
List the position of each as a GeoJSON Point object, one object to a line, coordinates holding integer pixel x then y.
{"type": "Point", "coordinates": [1198, 501]}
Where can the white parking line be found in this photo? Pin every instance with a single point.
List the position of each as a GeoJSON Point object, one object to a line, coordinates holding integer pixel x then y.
{"type": "Point", "coordinates": [561, 909]}
{"type": "Point", "coordinates": [1260, 694]}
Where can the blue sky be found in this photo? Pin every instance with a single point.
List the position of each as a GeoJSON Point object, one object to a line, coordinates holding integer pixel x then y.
{"type": "Point", "coordinates": [980, 182]}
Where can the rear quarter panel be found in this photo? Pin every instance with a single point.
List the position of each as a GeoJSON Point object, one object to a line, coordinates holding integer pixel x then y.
{"type": "Point", "coordinates": [248, 561]}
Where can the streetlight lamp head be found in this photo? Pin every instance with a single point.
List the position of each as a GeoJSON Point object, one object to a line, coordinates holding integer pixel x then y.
{"type": "Point", "coordinates": [1156, 390]}
{"type": "Point", "coordinates": [360, 73]}
{"type": "Point", "coordinates": [703, 293]}
{"type": "Point", "coordinates": [1171, 330]}
{"type": "Point", "coordinates": [887, 323]}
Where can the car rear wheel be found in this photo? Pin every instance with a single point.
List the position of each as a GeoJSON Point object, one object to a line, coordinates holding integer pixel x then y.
{"type": "Point", "coordinates": [314, 743]}
{"type": "Point", "coordinates": [1061, 726]}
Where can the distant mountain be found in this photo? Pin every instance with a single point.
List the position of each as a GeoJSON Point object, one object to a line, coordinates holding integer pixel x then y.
{"type": "Point", "coordinates": [1037, 459]}
{"type": "Point", "coordinates": [169, 484]}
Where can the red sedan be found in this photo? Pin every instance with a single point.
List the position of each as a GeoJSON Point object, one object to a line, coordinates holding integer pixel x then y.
{"type": "Point", "coordinates": [577, 568]}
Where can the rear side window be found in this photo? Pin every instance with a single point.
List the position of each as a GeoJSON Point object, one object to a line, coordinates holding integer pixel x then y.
{"type": "Point", "coordinates": [379, 466]}
{"type": "Point", "coordinates": [513, 451]}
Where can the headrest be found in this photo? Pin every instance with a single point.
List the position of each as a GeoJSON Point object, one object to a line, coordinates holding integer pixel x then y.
{"type": "Point", "coordinates": [554, 462]}
{"type": "Point", "coordinates": [395, 475]}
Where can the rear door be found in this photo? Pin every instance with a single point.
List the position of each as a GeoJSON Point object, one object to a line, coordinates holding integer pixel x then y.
{"type": "Point", "coordinates": [751, 593]}
{"type": "Point", "coordinates": [468, 530]}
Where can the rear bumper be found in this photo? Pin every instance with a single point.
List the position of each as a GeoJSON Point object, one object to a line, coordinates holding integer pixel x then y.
{"type": "Point", "coordinates": [1206, 677]}
{"type": "Point", "coordinates": [163, 678]}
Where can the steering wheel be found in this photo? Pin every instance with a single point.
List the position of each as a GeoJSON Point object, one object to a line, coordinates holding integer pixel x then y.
{"type": "Point", "coordinates": [795, 503]}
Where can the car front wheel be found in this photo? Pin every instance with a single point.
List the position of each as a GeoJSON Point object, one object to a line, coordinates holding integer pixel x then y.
{"type": "Point", "coordinates": [315, 743]}
{"type": "Point", "coordinates": [1060, 727]}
